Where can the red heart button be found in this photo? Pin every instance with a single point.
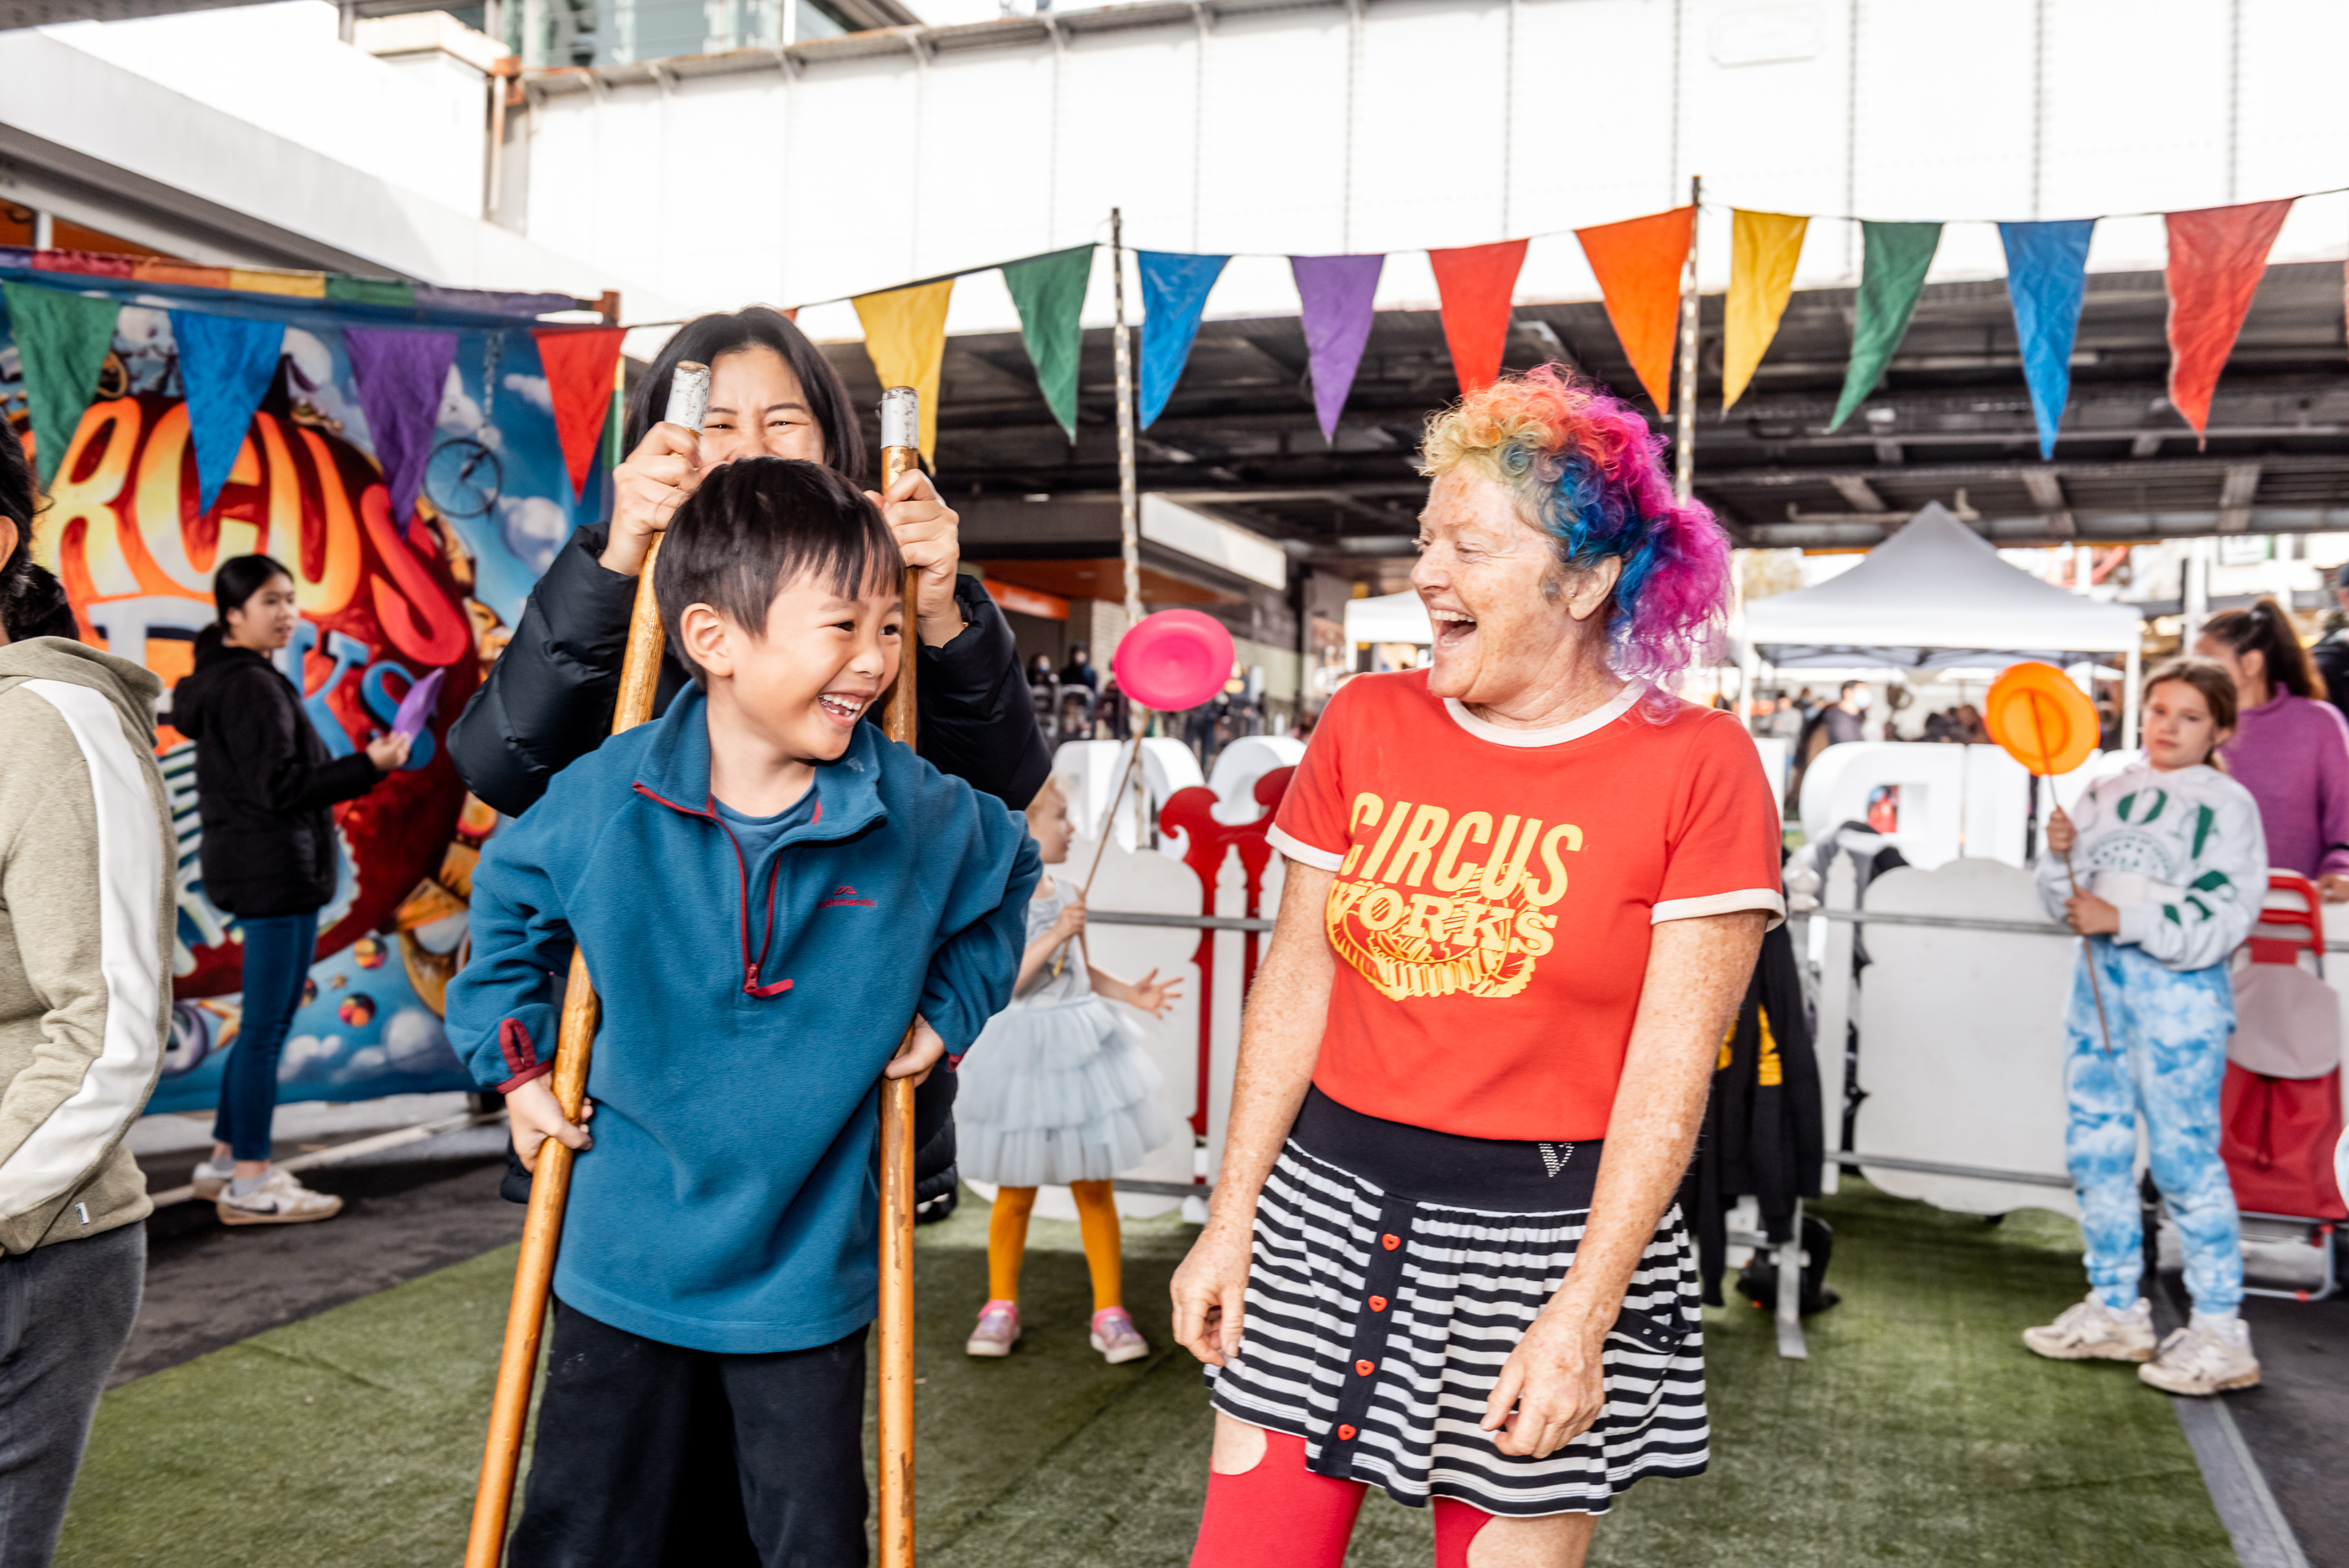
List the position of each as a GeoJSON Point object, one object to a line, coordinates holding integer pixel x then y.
{"type": "Point", "coordinates": [1366, 1367]}
{"type": "Point", "coordinates": [1378, 1303]}
{"type": "Point", "coordinates": [1390, 1241]}
{"type": "Point", "coordinates": [1345, 1434]}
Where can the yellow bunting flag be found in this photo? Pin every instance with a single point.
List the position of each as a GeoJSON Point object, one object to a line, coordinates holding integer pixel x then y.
{"type": "Point", "coordinates": [906, 334]}
{"type": "Point", "coordinates": [270, 280]}
{"type": "Point", "coordinates": [1763, 250]}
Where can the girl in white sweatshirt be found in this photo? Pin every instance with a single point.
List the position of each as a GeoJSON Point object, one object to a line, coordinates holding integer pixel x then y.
{"type": "Point", "coordinates": [2172, 865]}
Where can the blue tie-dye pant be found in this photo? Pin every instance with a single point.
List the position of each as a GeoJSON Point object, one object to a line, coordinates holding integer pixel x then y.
{"type": "Point", "coordinates": [2169, 1057]}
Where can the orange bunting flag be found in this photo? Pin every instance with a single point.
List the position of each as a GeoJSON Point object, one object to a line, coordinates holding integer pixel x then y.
{"type": "Point", "coordinates": [1474, 283]}
{"type": "Point", "coordinates": [2216, 258]}
{"type": "Point", "coordinates": [1763, 250]}
{"type": "Point", "coordinates": [1638, 263]}
{"type": "Point", "coordinates": [578, 362]}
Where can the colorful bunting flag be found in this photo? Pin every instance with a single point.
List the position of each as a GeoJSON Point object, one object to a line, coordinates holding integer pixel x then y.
{"type": "Point", "coordinates": [579, 362]}
{"type": "Point", "coordinates": [1893, 261]}
{"type": "Point", "coordinates": [1173, 296]}
{"type": "Point", "coordinates": [61, 340]}
{"type": "Point", "coordinates": [1050, 291]}
{"type": "Point", "coordinates": [1638, 263]}
{"type": "Point", "coordinates": [401, 377]}
{"type": "Point", "coordinates": [2046, 279]}
{"type": "Point", "coordinates": [1336, 292]}
{"type": "Point", "coordinates": [1763, 250]}
{"type": "Point", "coordinates": [227, 364]}
{"type": "Point", "coordinates": [906, 334]}
{"type": "Point", "coordinates": [2216, 258]}
{"type": "Point", "coordinates": [1474, 283]}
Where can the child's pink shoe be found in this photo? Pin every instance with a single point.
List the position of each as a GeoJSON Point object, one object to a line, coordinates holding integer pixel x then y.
{"type": "Point", "coordinates": [998, 1330]}
{"type": "Point", "coordinates": [1116, 1336]}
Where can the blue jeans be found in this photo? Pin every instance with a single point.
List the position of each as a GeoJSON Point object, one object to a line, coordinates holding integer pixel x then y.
{"type": "Point", "coordinates": [277, 949]}
{"type": "Point", "coordinates": [2168, 1059]}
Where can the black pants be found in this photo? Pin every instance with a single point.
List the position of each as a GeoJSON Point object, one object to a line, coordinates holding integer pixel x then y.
{"type": "Point", "coordinates": [649, 1454]}
{"type": "Point", "coordinates": [66, 1312]}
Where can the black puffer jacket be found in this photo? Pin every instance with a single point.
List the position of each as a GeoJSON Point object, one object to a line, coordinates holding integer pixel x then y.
{"type": "Point", "coordinates": [263, 783]}
{"type": "Point", "coordinates": [548, 699]}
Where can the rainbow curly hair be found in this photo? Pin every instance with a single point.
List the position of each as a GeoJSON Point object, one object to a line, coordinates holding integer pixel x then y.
{"type": "Point", "coordinates": [1586, 470]}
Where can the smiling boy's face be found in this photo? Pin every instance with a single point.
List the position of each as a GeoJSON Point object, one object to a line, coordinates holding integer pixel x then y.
{"type": "Point", "coordinates": [805, 683]}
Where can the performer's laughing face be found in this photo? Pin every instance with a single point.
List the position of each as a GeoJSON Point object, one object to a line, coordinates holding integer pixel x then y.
{"type": "Point", "coordinates": [757, 409]}
{"type": "Point", "coordinates": [1510, 621]}
{"type": "Point", "coordinates": [799, 687]}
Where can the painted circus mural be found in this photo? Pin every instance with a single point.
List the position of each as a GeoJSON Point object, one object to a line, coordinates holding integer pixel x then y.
{"type": "Point", "coordinates": [381, 606]}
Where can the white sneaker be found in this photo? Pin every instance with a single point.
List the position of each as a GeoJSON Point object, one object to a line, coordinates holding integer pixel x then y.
{"type": "Point", "coordinates": [2200, 1360]}
{"type": "Point", "coordinates": [1116, 1338]}
{"type": "Point", "coordinates": [211, 1180]}
{"type": "Point", "coordinates": [2089, 1329]}
{"type": "Point", "coordinates": [279, 1199]}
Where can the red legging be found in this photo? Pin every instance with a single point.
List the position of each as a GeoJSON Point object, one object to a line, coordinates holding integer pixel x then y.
{"type": "Point", "coordinates": [1282, 1515]}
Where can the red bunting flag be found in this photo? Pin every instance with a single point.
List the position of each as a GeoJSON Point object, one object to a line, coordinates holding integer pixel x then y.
{"type": "Point", "coordinates": [2216, 258]}
{"type": "Point", "coordinates": [579, 362]}
{"type": "Point", "coordinates": [1475, 283]}
{"type": "Point", "coordinates": [1638, 263]}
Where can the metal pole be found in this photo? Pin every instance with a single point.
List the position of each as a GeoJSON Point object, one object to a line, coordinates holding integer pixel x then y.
{"type": "Point", "coordinates": [1129, 521]}
{"type": "Point", "coordinates": [1684, 433]}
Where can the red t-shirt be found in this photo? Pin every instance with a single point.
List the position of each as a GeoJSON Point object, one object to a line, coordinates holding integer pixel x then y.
{"type": "Point", "coordinates": [1496, 889]}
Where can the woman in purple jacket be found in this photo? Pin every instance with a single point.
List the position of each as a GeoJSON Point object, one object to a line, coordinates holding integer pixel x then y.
{"type": "Point", "coordinates": [2291, 748]}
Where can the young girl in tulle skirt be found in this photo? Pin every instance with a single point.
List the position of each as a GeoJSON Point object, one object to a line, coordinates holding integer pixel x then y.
{"type": "Point", "coordinates": [1058, 1090]}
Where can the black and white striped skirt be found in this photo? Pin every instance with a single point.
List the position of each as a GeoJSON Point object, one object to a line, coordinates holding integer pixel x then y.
{"type": "Point", "coordinates": [1396, 1268]}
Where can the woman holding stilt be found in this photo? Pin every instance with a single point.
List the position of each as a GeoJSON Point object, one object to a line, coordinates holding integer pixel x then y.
{"type": "Point", "coordinates": [1523, 894]}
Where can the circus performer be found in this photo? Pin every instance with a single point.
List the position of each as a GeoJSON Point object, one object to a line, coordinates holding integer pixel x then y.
{"type": "Point", "coordinates": [1524, 890]}
{"type": "Point", "coordinates": [1059, 1091]}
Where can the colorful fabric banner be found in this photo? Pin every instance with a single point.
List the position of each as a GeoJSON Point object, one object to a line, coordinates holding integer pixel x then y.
{"type": "Point", "coordinates": [401, 376]}
{"type": "Point", "coordinates": [1173, 296]}
{"type": "Point", "coordinates": [1893, 261]}
{"type": "Point", "coordinates": [1474, 283]}
{"type": "Point", "coordinates": [2217, 256]}
{"type": "Point", "coordinates": [1050, 291]}
{"type": "Point", "coordinates": [270, 280]}
{"type": "Point", "coordinates": [227, 363]}
{"type": "Point", "coordinates": [579, 364]}
{"type": "Point", "coordinates": [1336, 292]}
{"type": "Point", "coordinates": [62, 339]}
{"type": "Point", "coordinates": [1763, 250]}
{"type": "Point", "coordinates": [1638, 263]}
{"type": "Point", "coordinates": [395, 295]}
{"type": "Point", "coordinates": [2046, 279]}
{"type": "Point", "coordinates": [906, 334]}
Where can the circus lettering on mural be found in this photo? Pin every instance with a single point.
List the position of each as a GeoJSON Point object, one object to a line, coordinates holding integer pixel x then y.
{"type": "Point", "coordinates": [381, 606]}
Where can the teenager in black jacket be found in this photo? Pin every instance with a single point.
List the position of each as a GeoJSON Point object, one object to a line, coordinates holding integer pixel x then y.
{"type": "Point", "coordinates": [548, 699]}
{"type": "Point", "coordinates": [264, 784]}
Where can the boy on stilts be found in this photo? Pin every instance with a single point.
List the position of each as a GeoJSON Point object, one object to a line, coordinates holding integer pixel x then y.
{"type": "Point", "coordinates": [767, 891]}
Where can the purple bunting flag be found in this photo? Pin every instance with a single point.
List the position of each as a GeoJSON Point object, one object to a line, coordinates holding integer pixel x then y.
{"type": "Point", "coordinates": [1336, 292]}
{"type": "Point", "coordinates": [401, 376]}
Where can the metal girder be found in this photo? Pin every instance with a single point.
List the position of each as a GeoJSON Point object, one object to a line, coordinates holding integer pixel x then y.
{"type": "Point", "coordinates": [2235, 492]}
{"type": "Point", "coordinates": [2047, 493]}
{"type": "Point", "coordinates": [1855, 489]}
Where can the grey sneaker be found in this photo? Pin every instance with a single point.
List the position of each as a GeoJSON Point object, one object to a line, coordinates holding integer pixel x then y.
{"type": "Point", "coordinates": [998, 1330]}
{"type": "Point", "coordinates": [2200, 1360]}
{"type": "Point", "coordinates": [2089, 1329]}
{"type": "Point", "coordinates": [279, 1199]}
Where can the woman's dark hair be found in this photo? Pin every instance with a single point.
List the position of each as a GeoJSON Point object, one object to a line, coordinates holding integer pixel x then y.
{"type": "Point", "coordinates": [705, 338]}
{"type": "Point", "coordinates": [235, 581]}
{"type": "Point", "coordinates": [2263, 628]}
{"type": "Point", "coordinates": [32, 602]}
{"type": "Point", "coordinates": [756, 525]}
{"type": "Point", "coordinates": [2212, 679]}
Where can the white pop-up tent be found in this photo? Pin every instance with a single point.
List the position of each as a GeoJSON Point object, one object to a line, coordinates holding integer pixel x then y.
{"type": "Point", "coordinates": [1391, 617]}
{"type": "Point", "coordinates": [1934, 596]}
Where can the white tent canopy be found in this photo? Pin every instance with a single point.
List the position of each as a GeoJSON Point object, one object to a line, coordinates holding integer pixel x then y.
{"type": "Point", "coordinates": [1391, 617]}
{"type": "Point", "coordinates": [1934, 596]}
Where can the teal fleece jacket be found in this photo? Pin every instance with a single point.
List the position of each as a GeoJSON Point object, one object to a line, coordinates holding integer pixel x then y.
{"type": "Point", "coordinates": [730, 1203]}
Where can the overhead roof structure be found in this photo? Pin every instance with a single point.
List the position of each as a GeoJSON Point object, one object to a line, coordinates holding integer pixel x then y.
{"type": "Point", "coordinates": [1934, 596]}
{"type": "Point", "coordinates": [1952, 424]}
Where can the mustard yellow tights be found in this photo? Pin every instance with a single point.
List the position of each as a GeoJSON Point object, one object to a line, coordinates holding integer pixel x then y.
{"type": "Point", "coordinates": [1007, 1239]}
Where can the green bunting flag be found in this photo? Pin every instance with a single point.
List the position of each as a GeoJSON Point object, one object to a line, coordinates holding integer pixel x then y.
{"type": "Point", "coordinates": [62, 339]}
{"type": "Point", "coordinates": [1050, 291]}
{"type": "Point", "coordinates": [1893, 275]}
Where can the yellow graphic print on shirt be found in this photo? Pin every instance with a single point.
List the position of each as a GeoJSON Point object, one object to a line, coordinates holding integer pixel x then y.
{"type": "Point", "coordinates": [1435, 905]}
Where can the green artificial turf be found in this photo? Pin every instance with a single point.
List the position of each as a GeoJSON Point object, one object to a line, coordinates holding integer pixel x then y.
{"type": "Point", "coordinates": [1919, 1431]}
